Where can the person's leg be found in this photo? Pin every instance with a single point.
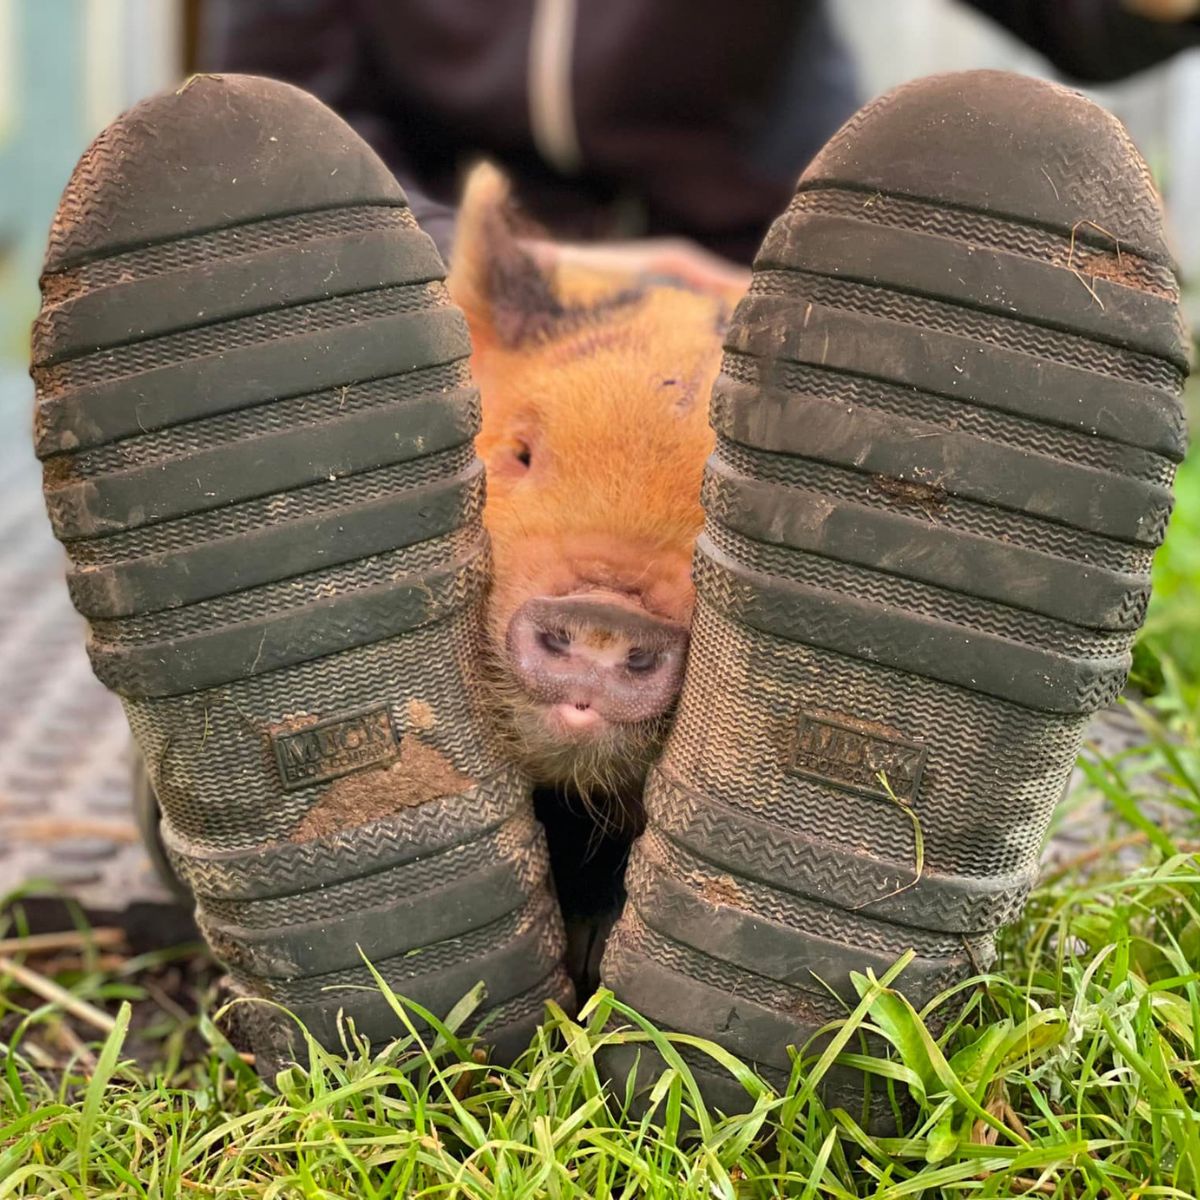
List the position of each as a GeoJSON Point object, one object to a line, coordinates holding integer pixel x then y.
{"type": "Point", "coordinates": [948, 420]}
{"type": "Point", "coordinates": [256, 421]}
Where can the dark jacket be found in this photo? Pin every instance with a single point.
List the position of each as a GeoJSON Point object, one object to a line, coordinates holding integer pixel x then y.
{"type": "Point", "coordinates": [614, 117]}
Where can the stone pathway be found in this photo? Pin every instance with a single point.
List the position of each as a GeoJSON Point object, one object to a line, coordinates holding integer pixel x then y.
{"type": "Point", "coordinates": [65, 813]}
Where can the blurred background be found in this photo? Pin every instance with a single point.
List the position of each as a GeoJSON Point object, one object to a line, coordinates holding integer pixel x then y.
{"type": "Point", "coordinates": [67, 67]}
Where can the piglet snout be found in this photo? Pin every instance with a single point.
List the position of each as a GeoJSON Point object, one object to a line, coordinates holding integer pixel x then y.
{"type": "Point", "coordinates": [597, 657]}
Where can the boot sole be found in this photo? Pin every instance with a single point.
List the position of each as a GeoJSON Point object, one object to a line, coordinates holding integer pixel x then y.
{"type": "Point", "coordinates": [947, 424]}
{"type": "Point", "coordinates": [255, 415]}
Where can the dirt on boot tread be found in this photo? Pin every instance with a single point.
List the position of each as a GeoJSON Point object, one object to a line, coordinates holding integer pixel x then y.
{"type": "Point", "coordinates": [419, 775]}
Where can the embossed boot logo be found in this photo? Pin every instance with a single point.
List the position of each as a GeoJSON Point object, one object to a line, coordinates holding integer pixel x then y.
{"type": "Point", "coordinates": [851, 757]}
{"type": "Point", "coordinates": [333, 747]}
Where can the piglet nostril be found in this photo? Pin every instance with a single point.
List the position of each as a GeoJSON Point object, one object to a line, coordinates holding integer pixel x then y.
{"type": "Point", "coordinates": [556, 643]}
{"type": "Point", "coordinates": [596, 659]}
{"type": "Point", "coordinates": [641, 661]}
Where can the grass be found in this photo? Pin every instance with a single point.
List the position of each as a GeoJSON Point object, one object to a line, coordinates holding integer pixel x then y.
{"type": "Point", "coordinates": [1071, 1070]}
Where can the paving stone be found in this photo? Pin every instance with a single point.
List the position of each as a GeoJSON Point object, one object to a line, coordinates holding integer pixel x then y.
{"type": "Point", "coordinates": [86, 849]}
{"type": "Point", "coordinates": [64, 744]}
{"type": "Point", "coordinates": [70, 874]}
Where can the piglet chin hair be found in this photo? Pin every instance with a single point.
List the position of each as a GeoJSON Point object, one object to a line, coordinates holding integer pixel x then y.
{"type": "Point", "coordinates": [606, 770]}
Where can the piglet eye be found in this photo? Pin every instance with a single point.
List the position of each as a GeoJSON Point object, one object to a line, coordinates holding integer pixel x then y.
{"type": "Point", "coordinates": [522, 454]}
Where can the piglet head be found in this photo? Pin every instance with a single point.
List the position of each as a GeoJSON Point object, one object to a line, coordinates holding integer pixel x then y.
{"type": "Point", "coordinates": [595, 389]}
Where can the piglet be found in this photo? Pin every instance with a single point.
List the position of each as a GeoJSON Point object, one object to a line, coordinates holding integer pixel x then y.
{"type": "Point", "coordinates": [595, 385]}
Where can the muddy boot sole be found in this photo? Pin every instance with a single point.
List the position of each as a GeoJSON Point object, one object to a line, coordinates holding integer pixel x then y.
{"type": "Point", "coordinates": [947, 421]}
{"type": "Point", "coordinates": [256, 421]}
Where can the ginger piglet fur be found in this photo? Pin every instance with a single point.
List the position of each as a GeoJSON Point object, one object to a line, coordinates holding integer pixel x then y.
{"type": "Point", "coordinates": [595, 387]}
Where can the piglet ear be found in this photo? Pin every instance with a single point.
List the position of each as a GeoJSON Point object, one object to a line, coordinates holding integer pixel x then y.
{"type": "Point", "coordinates": [507, 297]}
